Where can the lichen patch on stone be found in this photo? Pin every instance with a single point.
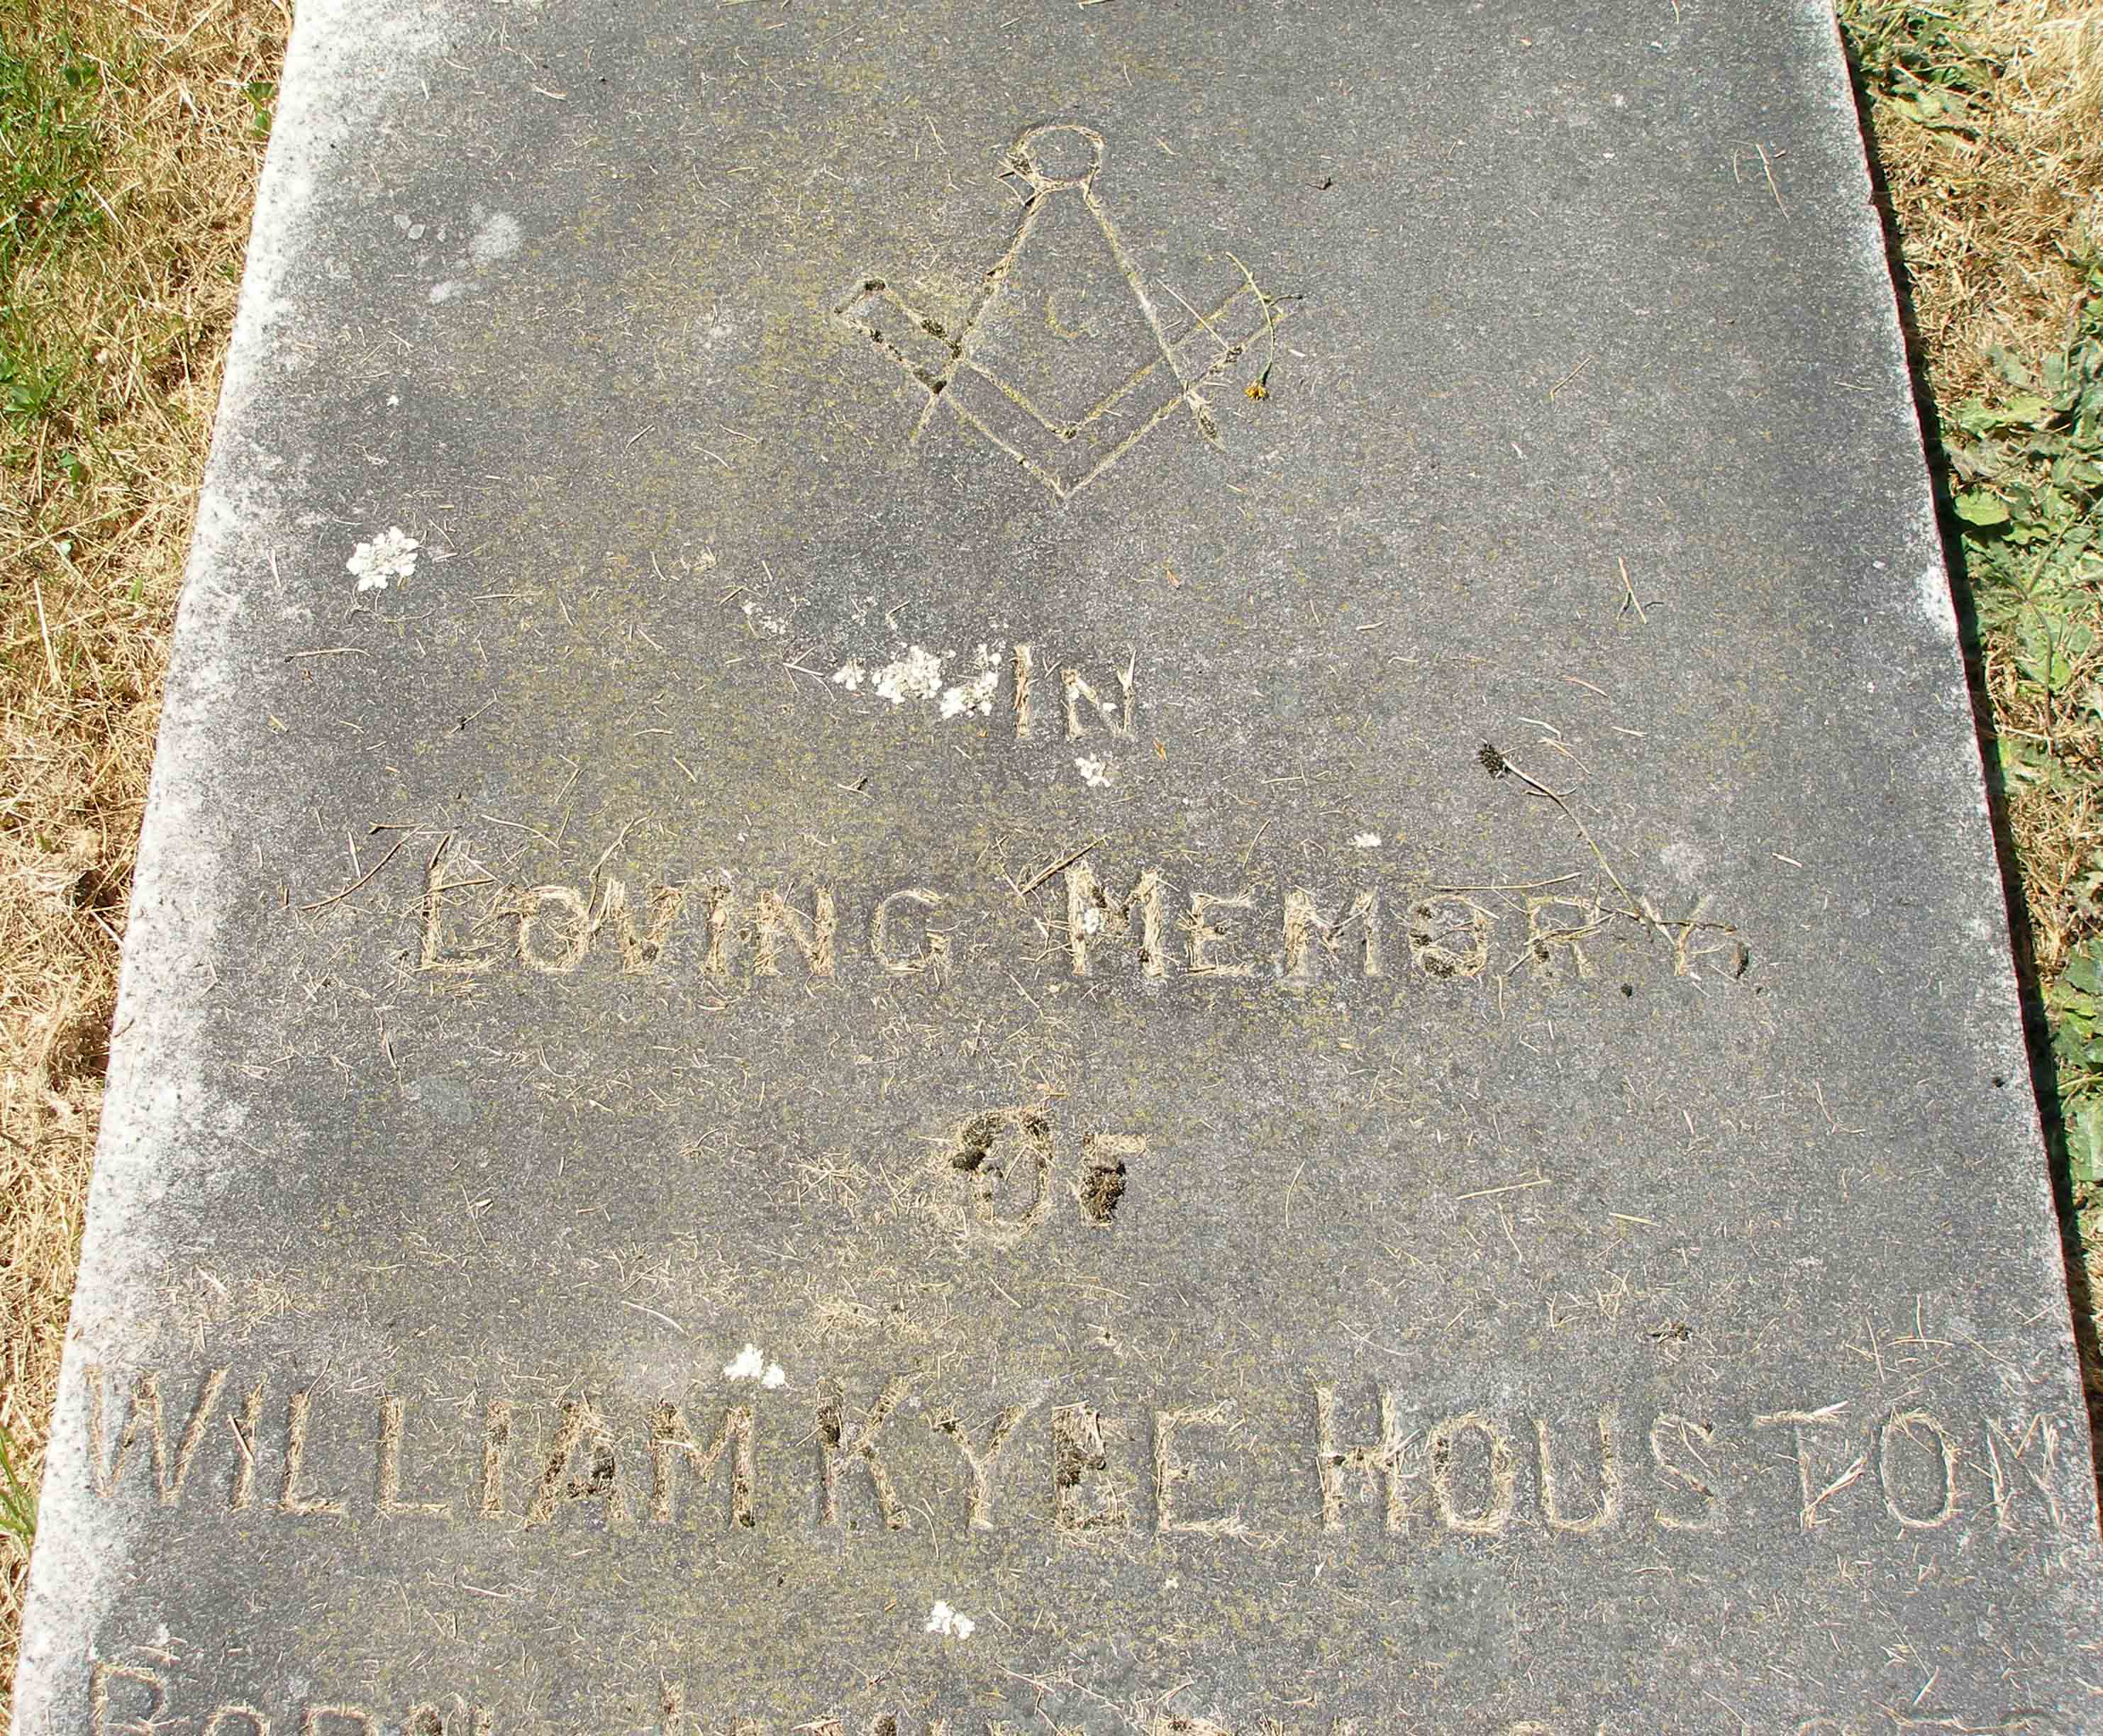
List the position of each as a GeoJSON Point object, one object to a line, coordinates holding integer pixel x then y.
{"type": "Point", "coordinates": [918, 674]}
{"type": "Point", "coordinates": [495, 237]}
{"type": "Point", "coordinates": [948, 1622]}
{"type": "Point", "coordinates": [974, 697]}
{"type": "Point", "coordinates": [751, 1364]}
{"type": "Point", "coordinates": [389, 555]}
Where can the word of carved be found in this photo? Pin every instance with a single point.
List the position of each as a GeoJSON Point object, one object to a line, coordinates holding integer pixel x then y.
{"type": "Point", "coordinates": [731, 934]}
{"type": "Point", "coordinates": [899, 1455]}
{"type": "Point", "coordinates": [140, 1695]}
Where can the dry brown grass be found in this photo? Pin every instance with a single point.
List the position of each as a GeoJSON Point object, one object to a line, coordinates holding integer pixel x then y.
{"type": "Point", "coordinates": [1993, 229]}
{"type": "Point", "coordinates": [1995, 189]}
{"type": "Point", "coordinates": [95, 501]}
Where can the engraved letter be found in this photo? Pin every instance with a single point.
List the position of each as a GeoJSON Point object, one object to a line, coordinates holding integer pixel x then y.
{"type": "Point", "coordinates": [1905, 1425]}
{"type": "Point", "coordinates": [1091, 915]}
{"type": "Point", "coordinates": [775, 916]}
{"type": "Point", "coordinates": [1103, 1172]}
{"type": "Point", "coordinates": [428, 1720]}
{"type": "Point", "coordinates": [1304, 923]}
{"type": "Point", "coordinates": [101, 1721]}
{"type": "Point", "coordinates": [1551, 1483]}
{"type": "Point", "coordinates": [290, 1500]}
{"type": "Point", "coordinates": [835, 1446]}
{"type": "Point", "coordinates": [639, 951]}
{"type": "Point", "coordinates": [883, 1724]}
{"type": "Point", "coordinates": [1383, 1459]}
{"type": "Point", "coordinates": [388, 1498]}
{"type": "Point", "coordinates": [974, 1156]}
{"type": "Point", "coordinates": [1204, 936]}
{"type": "Point", "coordinates": [1798, 1421]}
{"type": "Point", "coordinates": [1449, 936]}
{"type": "Point", "coordinates": [496, 1449]}
{"type": "Point", "coordinates": [316, 1715]}
{"type": "Point", "coordinates": [146, 1403]}
{"type": "Point", "coordinates": [1026, 718]}
{"type": "Point", "coordinates": [1543, 938]}
{"type": "Point", "coordinates": [983, 1463]}
{"type": "Point", "coordinates": [717, 961]}
{"type": "Point", "coordinates": [1081, 1441]}
{"type": "Point", "coordinates": [1442, 1445]}
{"type": "Point", "coordinates": [432, 954]}
{"type": "Point", "coordinates": [670, 1441]}
{"type": "Point", "coordinates": [582, 1426]}
{"type": "Point", "coordinates": [932, 956]}
{"type": "Point", "coordinates": [1682, 1477]}
{"type": "Point", "coordinates": [224, 1717]}
{"type": "Point", "coordinates": [575, 914]}
{"type": "Point", "coordinates": [1122, 718]}
{"type": "Point", "coordinates": [1170, 1468]}
{"type": "Point", "coordinates": [247, 1426]}
{"type": "Point", "coordinates": [2041, 1467]}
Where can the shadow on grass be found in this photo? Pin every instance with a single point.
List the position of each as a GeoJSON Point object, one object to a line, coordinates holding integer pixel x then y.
{"type": "Point", "coordinates": [2075, 1235]}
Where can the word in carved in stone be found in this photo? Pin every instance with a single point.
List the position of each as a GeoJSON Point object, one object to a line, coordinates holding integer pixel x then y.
{"type": "Point", "coordinates": [867, 1459]}
{"type": "Point", "coordinates": [1003, 1160]}
{"type": "Point", "coordinates": [146, 1691]}
{"type": "Point", "coordinates": [727, 932]}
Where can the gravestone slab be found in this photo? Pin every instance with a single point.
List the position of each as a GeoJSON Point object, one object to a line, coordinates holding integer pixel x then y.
{"type": "Point", "coordinates": [1071, 867]}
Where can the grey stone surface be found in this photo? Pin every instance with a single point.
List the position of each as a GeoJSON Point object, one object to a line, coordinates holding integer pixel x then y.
{"type": "Point", "coordinates": [898, 887]}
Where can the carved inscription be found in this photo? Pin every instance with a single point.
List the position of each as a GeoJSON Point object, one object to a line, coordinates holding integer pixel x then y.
{"type": "Point", "coordinates": [145, 1691]}
{"type": "Point", "coordinates": [1002, 1161]}
{"type": "Point", "coordinates": [855, 1455]}
{"type": "Point", "coordinates": [1142, 925]}
{"type": "Point", "coordinates": [136, 1696]}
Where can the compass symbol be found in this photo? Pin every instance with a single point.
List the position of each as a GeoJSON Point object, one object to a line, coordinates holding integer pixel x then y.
{"type": "Point", "coordinates": [1064, 362]}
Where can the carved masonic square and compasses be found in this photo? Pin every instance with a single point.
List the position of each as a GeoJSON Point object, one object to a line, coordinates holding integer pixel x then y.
{"type": "Point", "coordinates": [1064, 362]}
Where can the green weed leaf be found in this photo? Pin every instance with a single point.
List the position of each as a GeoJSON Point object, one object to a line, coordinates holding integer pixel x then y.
{"type": "Point", "coordinates": [1975, 506]}
{"type": "Point", "coordinates": [18, 1501]}
{"type": "Point", "coordinates": [2084, 1140]}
